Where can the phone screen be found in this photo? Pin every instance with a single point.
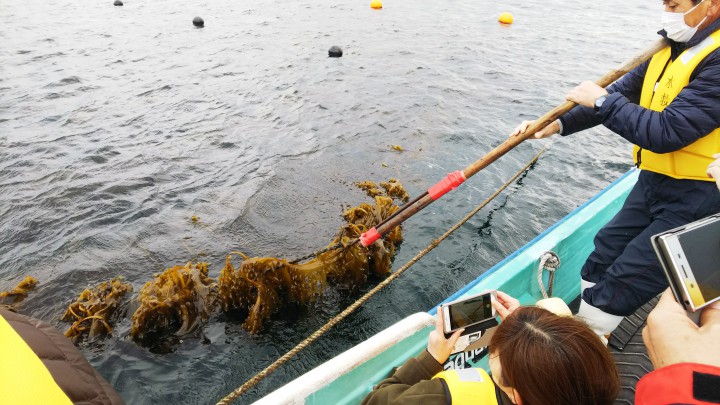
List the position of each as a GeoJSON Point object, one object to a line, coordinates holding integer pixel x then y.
{"type": "Point", "coordinates": [471, 311]}
{"type": "Point", "coordinates": [702, 252]}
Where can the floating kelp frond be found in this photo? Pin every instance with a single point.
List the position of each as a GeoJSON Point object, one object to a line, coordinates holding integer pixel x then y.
{"type": "Point", "coordinates": [392, 188]}
{"type": "Point", "coordinates": [370, 187]}
{"type": "Point", "coordinates": [262, 285]}
{"type": "Point", "coordinates": [395, 189]}
{"type": "Point", "coordinates": [175, 302]}
{"type": "Point", "coordinates": [20, 291]}
{"type": "Point", "coordinates": [91, 313]}
{"type": "Point", "coordinates": [366, 216]}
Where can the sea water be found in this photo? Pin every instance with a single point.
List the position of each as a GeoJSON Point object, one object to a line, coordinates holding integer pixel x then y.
{"type": "Point", "coordinates": [119, 124]}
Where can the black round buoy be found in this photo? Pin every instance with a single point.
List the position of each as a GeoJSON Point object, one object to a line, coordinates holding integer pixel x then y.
{"type": "Point", "coordinates": [335, 52]}
{"type": "Point", "coordinates": [198, 22]}
{"type": "Point", "coordinates": [118, 3]}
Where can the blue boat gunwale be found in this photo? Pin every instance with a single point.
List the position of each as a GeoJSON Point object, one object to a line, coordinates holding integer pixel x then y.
{"type": "Point", "coordinates": [516, 253]}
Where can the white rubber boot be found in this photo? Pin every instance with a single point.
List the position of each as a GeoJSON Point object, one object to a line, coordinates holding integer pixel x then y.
{"type": "Point", "coordinates": [585, 284]}
{"type": "Point", "coordinates": [601, 322]}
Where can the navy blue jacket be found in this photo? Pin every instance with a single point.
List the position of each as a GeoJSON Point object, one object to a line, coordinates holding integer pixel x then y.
{"type": "Point", "coordinates": [694, 113]}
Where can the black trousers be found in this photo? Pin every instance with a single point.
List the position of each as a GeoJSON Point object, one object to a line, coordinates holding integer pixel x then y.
{"type": "Point", "coordinates": [623, 266]}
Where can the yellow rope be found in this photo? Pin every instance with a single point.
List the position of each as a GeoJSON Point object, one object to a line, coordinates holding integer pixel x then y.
{"type": "Point", "coordinates": [334, 321]}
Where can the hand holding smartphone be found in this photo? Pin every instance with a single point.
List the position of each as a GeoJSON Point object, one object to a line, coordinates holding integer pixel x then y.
{"type": "Point", "coordinates": [469, 311]}
{"type": "Point", "coordinates": [474, 314]}
{"type": "Point", "coordinates": [671, 338]}
{"type": "Point", "coordinates": [440, 345]}
{"type": "Point", "coordinates": [505, 304]}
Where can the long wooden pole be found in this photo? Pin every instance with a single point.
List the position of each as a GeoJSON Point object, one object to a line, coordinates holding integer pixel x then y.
{"type": "Point", "coordinates": [395, 274]}
{"type": "Point", "coordinates": [510, 143]}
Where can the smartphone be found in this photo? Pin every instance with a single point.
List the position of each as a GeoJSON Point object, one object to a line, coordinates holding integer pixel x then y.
{"type": "Point", "coordinates": [469, 311]}
{"type": "Point", "coordinates": [690, 257]}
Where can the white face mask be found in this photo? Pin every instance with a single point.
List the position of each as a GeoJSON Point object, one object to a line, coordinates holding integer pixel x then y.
{"type": "Point", "coordinates": [674, 25]}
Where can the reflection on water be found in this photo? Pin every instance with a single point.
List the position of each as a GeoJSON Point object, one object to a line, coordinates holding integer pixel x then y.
{"type": "Point", "coordinates": [118, 125]}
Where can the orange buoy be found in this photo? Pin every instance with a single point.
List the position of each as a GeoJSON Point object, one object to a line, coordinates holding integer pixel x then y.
{"type": "Point", "coordinates": [506, 18]}
{"type": "Point", "coordinates": [376, 4]}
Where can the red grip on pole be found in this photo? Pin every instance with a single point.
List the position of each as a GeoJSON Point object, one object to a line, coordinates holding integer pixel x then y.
{"type": "Point", "coordinates": [369, 237]}
{"type": "Point", "coordinates": [451, 182]}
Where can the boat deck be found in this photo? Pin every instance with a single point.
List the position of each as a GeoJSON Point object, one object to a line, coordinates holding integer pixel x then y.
{"type": "Point", "coordinates": [628, 349]}
{"type": "Point", "coordinates": [631, 357]}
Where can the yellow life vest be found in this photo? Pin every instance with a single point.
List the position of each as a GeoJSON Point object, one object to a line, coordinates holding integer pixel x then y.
{"type": "Point", "coordinates": [23, 376]}
{"type": "Point", "coordinates": [469, 386]}
{"type": "Point", "coordinates": [658, 92]}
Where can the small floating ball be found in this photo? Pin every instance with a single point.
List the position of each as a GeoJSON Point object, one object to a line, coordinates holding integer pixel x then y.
{"type": "Point", "coordinates": [118, 3]}
{"type": "Point", "coordinates": [506, 18]}
{"type": "Point", "coordinates": [376, 4]}
{"type": "Point", "coordinates": [198, 22]}
{"type": "Point", "coordinates": [335, 51]}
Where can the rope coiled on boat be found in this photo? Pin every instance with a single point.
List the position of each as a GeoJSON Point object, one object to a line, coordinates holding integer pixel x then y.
{"type": "Point", "coordinates": [334, 321]}
{"type": "Point", "coordinates": [548, 261]}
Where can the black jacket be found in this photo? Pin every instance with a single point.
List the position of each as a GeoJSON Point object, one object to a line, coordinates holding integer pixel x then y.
{"type": "Point", "coordinates": [694, 113]}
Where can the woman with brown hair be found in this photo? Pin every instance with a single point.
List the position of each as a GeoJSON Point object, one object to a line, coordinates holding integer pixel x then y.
{"type": "Point", "coordinates": [536, 358]}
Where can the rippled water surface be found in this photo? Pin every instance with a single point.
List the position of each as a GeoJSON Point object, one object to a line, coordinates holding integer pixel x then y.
{"type": "Point", "coordinates": [118, 124]}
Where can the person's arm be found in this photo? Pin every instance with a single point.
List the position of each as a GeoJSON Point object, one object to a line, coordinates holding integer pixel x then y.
{"type": "Point", "coordinates": [584, 117]}
{"type": "Point", "coordinates": [694, 113]}
{"type": "Point", "coordinates": [412, 383]}
{"type": "Point", "coordinates": [685, 356]}
{"type": "Point", "coordinates": [682, 383]}
{"type": "Point", "coordinates": [581, 117]}
{"type": "Point", "coordinates": [505, 304]}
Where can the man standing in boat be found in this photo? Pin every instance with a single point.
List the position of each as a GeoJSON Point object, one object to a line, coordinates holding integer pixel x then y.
{"type": "Point", "coordinates": [669, 108]}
